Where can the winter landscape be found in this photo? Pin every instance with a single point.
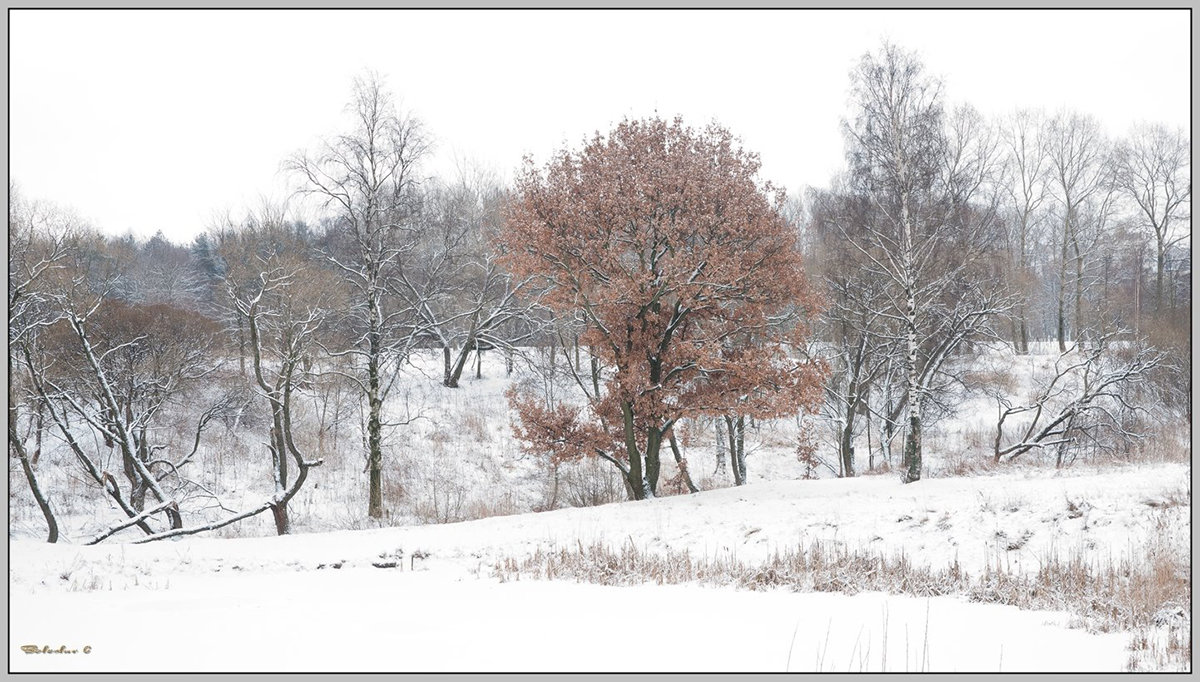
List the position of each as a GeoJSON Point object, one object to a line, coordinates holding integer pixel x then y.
{"type": "Point", "coordinates": [625, 405]}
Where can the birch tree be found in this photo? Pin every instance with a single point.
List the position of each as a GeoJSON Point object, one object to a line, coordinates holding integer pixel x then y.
{"type": "Point", "coordinates": [368, 178]}
{"type": "Point", "coordinates": [930, 225]}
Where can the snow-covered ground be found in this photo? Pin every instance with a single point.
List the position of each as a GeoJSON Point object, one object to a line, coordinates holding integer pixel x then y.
{"type": "Point", "coordinates": [423, 596]}
{"type": "Point", "coordinates": [317, 602]}
{"type": "Point", "coordinates": [371, 620]}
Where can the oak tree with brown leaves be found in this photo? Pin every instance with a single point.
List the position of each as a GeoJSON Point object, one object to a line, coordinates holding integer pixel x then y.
{"type": "Point", "coordinates": [689, 281]}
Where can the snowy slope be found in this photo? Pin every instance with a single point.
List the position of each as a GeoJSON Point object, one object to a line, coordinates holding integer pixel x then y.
{"type": "Point", "coordinates": [315, 601]}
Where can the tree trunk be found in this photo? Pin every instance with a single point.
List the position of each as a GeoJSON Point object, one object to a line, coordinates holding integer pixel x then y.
{"type": "Point", "coordinates": [735, 429]}
{"type": "Point", "coordinates": [637, 483]}
{"type": "Point", "coordinates": [460, 362]}
{"type": "Point", "coordinates": [279, 510]}
{"type": "Point", "coordinates": [888, 427]}
{"type": "Point", "coordinates": [241, 345]}
{"type": "Point", "coordinates": [137, 496]}
{"type": "Point", "coordinates": [912, 448]}
{"type": "Point", "coordinates": [741, 456]}
{"type": "Point", "coordinates": [374, 432]}
{"type": "Point", "coordinates": [653, 464]}
{"type": "Point", "coordinates": [446, 366]}
{"type": "Point", "coordinates": [721, 445]}
{"type": "Point", "coordinates": [847, 440]}
{"type": "Point", "coordinates": [870, 446]}
{"type": "Point", "coordinates": [39, 421]}
{"type": "Point", "coordinates": [1158, 277]}
{"type": "Point", "coordinates": [1023, 269]}
{"type": "Point", "coordinates": [27, 468]}
{"type": "Point", "coordinates": [1062, 287]}
{"type": "Point", "coordinates": [912, 442]}
{"type": "Point", "coordinates": [682, 463]}
{"type": "Point", "coordinates": [1080, 327]}
{"type": "Point", "coordinates": [1137, 293]}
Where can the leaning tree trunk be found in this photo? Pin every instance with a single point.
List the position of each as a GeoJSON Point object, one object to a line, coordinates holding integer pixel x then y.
{"type": "Point", "coordinates": [27, 467]}
{"type": "Point", "coordinates": [459, 364]}
{"type": "Point", "coordinates": [682, 463]}
{"type": "Point", "coordinates": [454, 373]}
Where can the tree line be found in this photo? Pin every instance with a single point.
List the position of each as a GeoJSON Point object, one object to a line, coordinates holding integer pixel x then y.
{"type": "Point", "coordinates": [692, 293]}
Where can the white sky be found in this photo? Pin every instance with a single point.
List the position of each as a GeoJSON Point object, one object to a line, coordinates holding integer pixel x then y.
{"type": "Point", "coordinates": [147, 120]}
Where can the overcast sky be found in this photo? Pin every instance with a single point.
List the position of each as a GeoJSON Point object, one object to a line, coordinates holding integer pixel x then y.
{"type": "Point", "coordinates": [147, 120]}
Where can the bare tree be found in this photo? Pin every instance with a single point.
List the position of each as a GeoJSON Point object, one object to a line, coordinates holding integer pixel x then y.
{"type": "Point", "coordinates": [1154, 170]}
{"type": "Point", "coordinates": [1077, 152]}
{"type": "Point", "coordinates": [162, 272]}
{"type": "Point", "coordinates": [460, 296]}
{"type": "Point", "coordinates": [369, 178]}
{"type": "Point", "coordinates": [857, 348]}
{"type": "Point", "coordinates": [284, 307]}
{"type": "Point", "coordinates": [1080, 401]}
{"type": "Point", "coordinates": [39, 240]}
{"type": "Point", "coordinates": [124, 372]}
{"type": "Point", "coordinates": [930, 223]}
{"type": "Point", "coordinates": [1026, 187]}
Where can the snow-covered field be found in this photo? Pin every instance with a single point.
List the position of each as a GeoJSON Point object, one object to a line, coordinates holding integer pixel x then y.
{"type": "Point", "coordinates": [429, 597]}
{"type": "Point", "coordinates": [318, 602]}
{"type": "Point", "coordinates": [366, 619]}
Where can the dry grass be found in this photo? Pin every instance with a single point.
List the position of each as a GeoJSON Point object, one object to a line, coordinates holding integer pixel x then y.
{"type": "Point", "coordinates": [475, 426]}
{"type": "Point", "coordinates": [1167, 442]}
{"type": "Point", "coordinates": [1144, 595]}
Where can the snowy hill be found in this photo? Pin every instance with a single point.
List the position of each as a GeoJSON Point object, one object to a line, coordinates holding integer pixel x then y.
{"type": "Point", "coordinates": [454, 596]}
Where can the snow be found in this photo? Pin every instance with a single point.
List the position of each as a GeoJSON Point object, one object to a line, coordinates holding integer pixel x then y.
{"type": "Point", "coordinates": [244, 600]}
{"type": "Point", "coordinates": [371, 620]}
{"type": "Point", "coordinates": [262, 604]}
